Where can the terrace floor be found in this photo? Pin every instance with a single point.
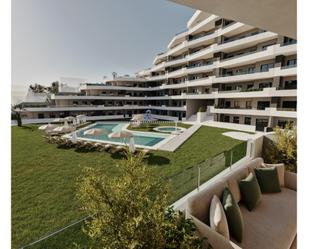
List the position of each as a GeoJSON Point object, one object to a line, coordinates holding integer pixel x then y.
{"type": "Point", "coordinates": [44, 180]}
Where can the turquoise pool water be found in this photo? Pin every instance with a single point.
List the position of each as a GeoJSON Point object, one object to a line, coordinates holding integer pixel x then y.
{"type": "Point", "coordinates": [139, 138]}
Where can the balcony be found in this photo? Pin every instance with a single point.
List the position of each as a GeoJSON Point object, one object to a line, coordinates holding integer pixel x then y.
{"type": "Point", "coordinates": [255, 75]}
{"type": "Point", "coordinates": [257, 55]}
{"type": "Point", "coordinates": [242, 37]}
{"type": "Point", "coordinates": [255, 93]}
{"type": "Point", "coordinates": [269, 112]}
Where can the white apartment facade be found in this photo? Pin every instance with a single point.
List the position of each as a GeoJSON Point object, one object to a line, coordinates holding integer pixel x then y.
{"type": "Point", "coordinates": [239, 73]}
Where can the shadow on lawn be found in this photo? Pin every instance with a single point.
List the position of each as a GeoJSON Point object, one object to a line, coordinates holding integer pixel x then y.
{"type": "Point", "coordinates": [157, 160]}
{"type": "Point", "coordinates": [31, 128]}
{"type": "Point", "coordinates": [84, 150]}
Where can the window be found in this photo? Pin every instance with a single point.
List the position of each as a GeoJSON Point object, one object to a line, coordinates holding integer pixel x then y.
{"type": "Point", "coordinates": [236, 120]}
{"type": "Point", "coordinates": [227, 104]}
{"type": "Point", "coordinates": [249, 86]}
{"type": "Point", "coordinates": [236, 104]}
{"type": "Point", "coordinates": [248, 104]}
{"type": "Point", "coordinates": [251, 69]}
{"type": "Point", "coordinates": [265, 85]}
{"type": "Point", "coordinates": [291, 62]}
{"type": "Point", "coordinates": [290, 84]}
{"type": "Point", "coordinates": [289, 105]}
{"type": "Point", "coordinates": [266, 67]}
{"type": "Point", "coordinates": [288, 41]}
{"type": "Point", "coordinates": [261, 105]}
{"type": "Point", "coordinates": [260, 124]}
{"type": "Point", "coordinates": [239, 87]}
{"type": "Point", "coordinates": [248, 120]}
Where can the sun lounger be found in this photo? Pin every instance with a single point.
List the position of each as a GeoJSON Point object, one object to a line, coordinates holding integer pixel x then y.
{"type": "Point", "coordinates": [107, 147]}
{"type": "Point", "coordinates": [118, 148]}
{"type": "Point", "coordinates": [145, 151]}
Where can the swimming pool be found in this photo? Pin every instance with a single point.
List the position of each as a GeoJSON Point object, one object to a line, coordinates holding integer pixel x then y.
{"type": "Point", "coordinates": [142, 139]}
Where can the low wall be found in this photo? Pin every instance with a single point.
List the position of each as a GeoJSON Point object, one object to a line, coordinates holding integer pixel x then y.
{"type": "Point", "coordinates": [232, 126]}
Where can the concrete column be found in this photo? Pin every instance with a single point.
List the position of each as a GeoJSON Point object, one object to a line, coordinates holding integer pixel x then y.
{"type": "Point", "coordinates": [270, 122]}
{"type": "Point", "coordinates": [279, 60]}
{"type": "Point", "coordinates": [276, 82]}
{"type": "Point", "coordinates": [280, 39]}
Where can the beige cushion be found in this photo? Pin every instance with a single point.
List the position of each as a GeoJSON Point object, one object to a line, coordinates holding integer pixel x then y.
{"type": "Point", "coordinates": [217, 217]}
{"type": "Point", "coordinates": [216, 240]}
{"type": "Point", "coordinates": [272, 224]}
{"type": "Point", "coordinates": [280, 170]}
{"type": "Point", "coordinates": [199, 204]}
{"type": "Point", "coordinates": [255, 163]}
{"type": "Point", "coordinates": [233, 180]}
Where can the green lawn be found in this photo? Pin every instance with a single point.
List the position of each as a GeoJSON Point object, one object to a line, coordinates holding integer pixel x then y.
{"type": "Point", "coordinates": [44, 179]}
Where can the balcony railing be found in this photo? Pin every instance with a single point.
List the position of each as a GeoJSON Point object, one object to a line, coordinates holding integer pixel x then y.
{"type": "Point", "coordinates": [201, 65]}
{"type": "Point", "coordinates": [244, 54]}
{"type": "Point", "coordinates": [201, 36]}
{"type": "Point", "coordinates": [287, 109]}
{"type": "Point", "coordinates": [242, 37]}
{"type": "Point", "coordinates": [238, 73]}
{"type": "Point", "coordinates": [289, 43]}
{"type": "Point", "coordinates": [289, 66]}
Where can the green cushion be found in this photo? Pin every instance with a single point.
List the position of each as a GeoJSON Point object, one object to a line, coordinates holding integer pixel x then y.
{"type": "Point", "coordinates": [250, 191]}
{"type": "Point", "coordinates": [268, 179]}
{"type": "Point", "coordinates": [233, 215]}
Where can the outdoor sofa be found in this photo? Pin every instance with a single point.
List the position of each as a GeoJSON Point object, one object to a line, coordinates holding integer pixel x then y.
{"type": "Point", "coordinates": [271, 225]}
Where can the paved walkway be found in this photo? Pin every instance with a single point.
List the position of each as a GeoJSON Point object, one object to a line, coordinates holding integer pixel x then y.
{"type": "Point", "coordinates": [239, 135]}
{"type": "Point", "coordinates": [175, 142]}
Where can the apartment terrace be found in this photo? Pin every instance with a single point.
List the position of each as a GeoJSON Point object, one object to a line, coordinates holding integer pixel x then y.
{"type": "Point", "coordinates": [269, 111]}
{"type": "Point", "coordinates": [248, 39]}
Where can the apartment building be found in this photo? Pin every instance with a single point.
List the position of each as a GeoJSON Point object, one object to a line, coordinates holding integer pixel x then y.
{"type": "Point", "coordinates": [239, 73]}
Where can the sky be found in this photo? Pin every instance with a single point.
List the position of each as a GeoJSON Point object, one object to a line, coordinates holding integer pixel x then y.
{"type": "Point", "coordinates": [89, 39]}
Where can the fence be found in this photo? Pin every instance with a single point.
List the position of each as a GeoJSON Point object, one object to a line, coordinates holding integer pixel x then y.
{"type": "Point", "coordinates": [182, 183]}
{"type": "Point", "coordinates": [192, 177]}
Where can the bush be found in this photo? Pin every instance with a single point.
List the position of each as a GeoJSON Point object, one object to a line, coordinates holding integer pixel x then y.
{"type": "Point", "coordinates": [283, 149]}
{"type": "Point", "coordinates": [130, 211]}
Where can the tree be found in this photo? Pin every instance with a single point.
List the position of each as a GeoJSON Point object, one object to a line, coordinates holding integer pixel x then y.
{"type": "Point", "coordinates": [283, 148]}
{"type": "Point", "coordinates": [130, 210]}
{"type": "Point", "coordinates": [54, 87]}
{"type": "Point", "coordinates": [17, 115]}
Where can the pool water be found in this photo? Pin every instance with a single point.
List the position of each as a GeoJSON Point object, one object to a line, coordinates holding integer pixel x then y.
{"type": "Point", "coordinates": [139, 137]}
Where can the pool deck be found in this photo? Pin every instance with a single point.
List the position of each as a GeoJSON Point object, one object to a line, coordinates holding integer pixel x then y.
{"type": "Point", "coordinates": [178, 140]}
{"type": "Point", "coordinates": [123, 126]}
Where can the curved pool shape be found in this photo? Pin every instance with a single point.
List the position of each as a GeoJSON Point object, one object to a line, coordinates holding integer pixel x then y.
{"type": "Point", "coordinates": [143, 139]}
{"type": "Point", "coordinates": [168, 129]}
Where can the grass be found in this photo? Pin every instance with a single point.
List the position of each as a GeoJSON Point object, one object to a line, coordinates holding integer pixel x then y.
{"type": "Point", "coordinates": [44, 179]}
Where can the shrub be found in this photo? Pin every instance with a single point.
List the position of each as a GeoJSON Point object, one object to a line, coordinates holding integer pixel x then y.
{"type": "Point", "coordinates": [283, 148]}
{"type": "Point", "coordinates": [129, 211]}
